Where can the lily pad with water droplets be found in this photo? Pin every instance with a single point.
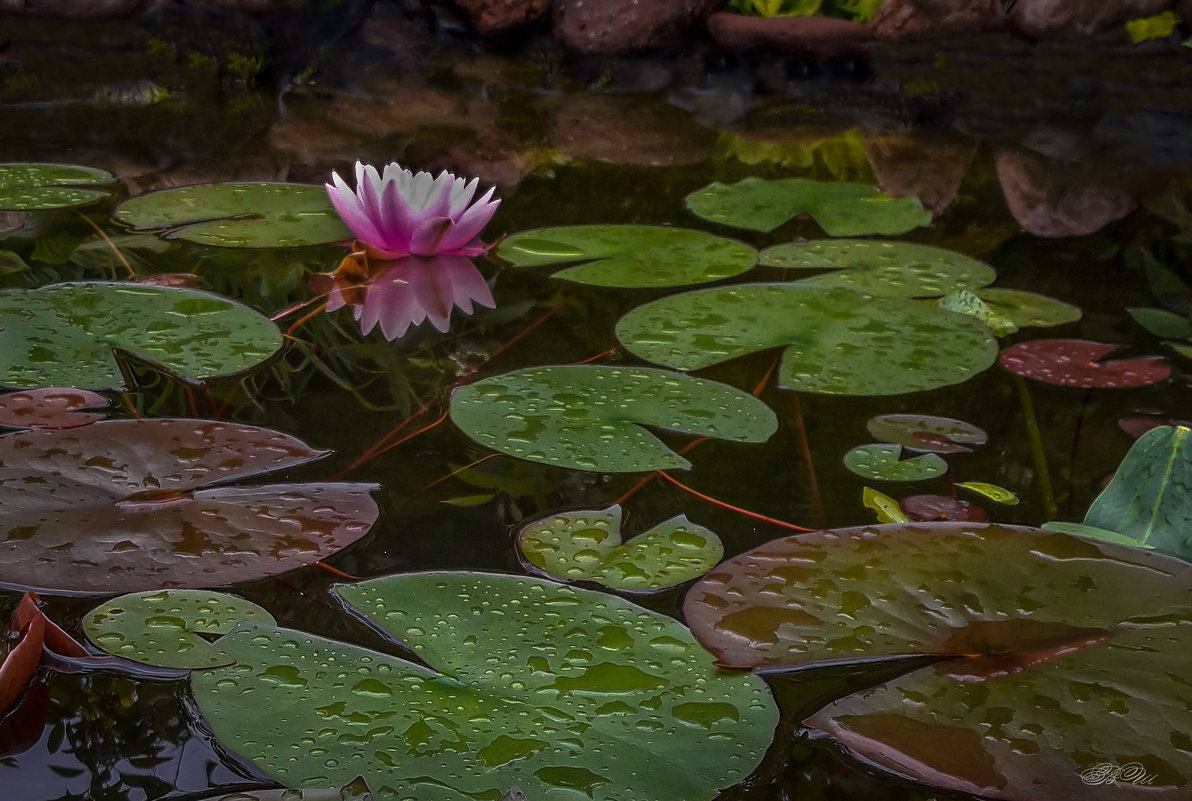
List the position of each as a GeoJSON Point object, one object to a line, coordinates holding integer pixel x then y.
{"type": "Point", "coordinates": [128, 505]}
{"type": "Point", "coordinates": [926, 433]}
{"type": "Point", "coordinates": [837, 341]}
{"type": "Point", "coordinates": [1056, 653]}
{"type": "Point", "coordinates": [590, 417]}
{"type": "Point", "coordinates": [26, 187]}
{"type": "Point", "coordinates": [168, 628]}
{"type": "Point", "coordinates": [52, 407]}
{"type": "Point", "coordinates": [62, 335]}
{"type": "Point", "coordinates": [1028, 309]}
{"type": "Point", "coordinates": [586, 546]}
{"type": "Point", "coordinates": [565, 692]}
{"type": "Point", "coordinates": [882, 463]}
{"type": "Point", "coordinates": [899, 269]}
{"type": "Point", "coordinates": [1081, 363]}
{"type": "Point", "coordinates": [355, 791]}
{"type": "Point", "coordinates": [841, 209]}
{"type": "Point", "coordinates": [240, 215]}
{"type": "Point", "coordinates": [630, 255]}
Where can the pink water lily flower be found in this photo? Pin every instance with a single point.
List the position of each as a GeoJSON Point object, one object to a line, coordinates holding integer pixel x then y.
{"type": "Point", "coordinates": [402, 213]}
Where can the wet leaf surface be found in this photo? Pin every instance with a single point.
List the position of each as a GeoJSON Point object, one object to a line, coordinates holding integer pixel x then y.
{"type": "Point", "coordinates": [630, 255]}
{"type": "Point", "coordinates": [587, 546]}
{"type": "Point", "coordinates": [62, 335]}
{"type": "Point", "coordinates": [1069, 653]}
{"type": "Point", "coordinates": [1028, 309]}
{"type": "Point", "coordinates": [941, 507]}
{"type": "Point", "coordinates": [841, 209]}
{"type": "Point", "coordinates": [26, 187]}
{"type": "Point", "coordinates": [1080, 363]}
{"type": "Point", "coordinates": [926, 433]}
{"type": "Point", "coordinates": [1162, 323]}
{"type": "Point", "coordinates": [51, 407]}
{"type": "Point", "coordinates": [29, 632]}
{"type": "Point", "coordinates": [898, 269]}
{"type": "Point", "coordinates": [244, 215]}
{"type": "Point", "coordinates": [991, 491]}
{"type": "Point", "coordinates": [884, 463]}
{"type": "Point", "coordinates": [559, 690]}
{"type": "Point", "coordinates": [169, 628]}
{"type": "Point", "coordinates": [128, 505]}
{"type": "Point", "coordinates": [837, 341]}
{"type": "Point", "coordinates": [355, 791]}
{"type": "Point", "coordinates": [590, 417]}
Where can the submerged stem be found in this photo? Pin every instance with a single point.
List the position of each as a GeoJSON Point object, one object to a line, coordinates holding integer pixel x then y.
{"type": "Point", "coordinates": [1042, 476]}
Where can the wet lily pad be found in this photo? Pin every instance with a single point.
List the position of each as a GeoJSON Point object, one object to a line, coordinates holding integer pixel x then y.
{"type": "Point", "coordinates": [630, 255]}
{"type": "Point", "coordinates": [885, 508]}
{"type": "Point", "coordinates": [586, 546]}
{"type": "Point", "coordinates": [559, 690]}
{"type": "Point", "coordinates": [1080, 363]}
{"type": "Point", "coordinates": [942, 507]}
{"type": "Point", "coordinates": [168, 628]}
{"type": "Point", "coordinates": [991, 491]}
{"type": "Point", "coordinates": [837, 341]}
{"type": "Point", "coordinates": [128, 505]}
{"type": "Point", "coordinates": [926, 433]}
{"type": "Point", "coordinates": [62, 335]}
{"type": "Point", "coordinates": [899, 269]}
{"type": "Point", "coordinates": [1149, 500]}
{"type": "Point", "coordinates": [238, 215]}
{"type": "Point", "coordinates": [1028, 309]}
{"type": "Point", "coordinates": [1057, 653]}
{"type": "Point", "coordinates": [357, 790]}
{"type": "Point", "coordinates": [590, 417]}
{"type": "Point", "coordinates": [841, 209]}
{"type": "Point", "coordinates": [26, 187]}
{"type": "Point", "coordinates": [52, 407]}
{"type": "Point", "coordinates": [882, 463]}
{"type": "Point", "coordinates": [1162, 323]}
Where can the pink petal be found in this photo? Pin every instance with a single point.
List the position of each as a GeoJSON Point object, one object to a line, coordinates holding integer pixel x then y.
{"type": "Point", "coordinates": [470, 287]}
{"type": "Point", "coordinates": [398, 219]}
{"type": "Point", "coordinates": [434, 291]}
{"type": "Point", "coordinates": [348, 207]}
{"type": "Point", "coordinates": [368, 191]}
{"type": "Point", "coordinates": [470, 224]}
{"type": "Point", "coordinates": [428, 237]}
{"type": "Point", "coordinates": [461, 195]}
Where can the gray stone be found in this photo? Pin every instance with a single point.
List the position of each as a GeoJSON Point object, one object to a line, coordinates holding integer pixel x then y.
{"type": "Point", "coordinates": [1045, 19]}
{"type": "Point", "coordinates": [495, 17]}
{"type": "Point", "coordinates": [916, 20]}
{"type": "Point", "coordinates": [1052, 199]}
{"type": "Point", "coordinates": [613, 27]}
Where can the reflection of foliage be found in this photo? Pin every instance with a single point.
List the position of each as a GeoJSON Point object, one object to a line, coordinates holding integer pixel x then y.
{"type": "Point", "coordinates": [841, 157]}
{"type": "Point", "coordinates": [856, 10]}
{"type": "Point", "coordinates": [507, 481]}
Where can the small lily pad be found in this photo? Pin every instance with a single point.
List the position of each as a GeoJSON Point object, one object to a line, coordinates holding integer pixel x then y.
{"type": "Point", "coordinates": [841, 209]}
{"type": "Point", "coordinates": [926, 433]}
{"type": "Point", "coordinates": [26, 187]}
{"type": "Point", "coordinates": [1079, 363]}
{"type": "Point", "coordinates": [62, 335]}
{"type": "Point", "coordinates": [1028, 309]}
{"type": "Point", "coordinates": [899, 269]}
{"type": "Point", "coordinates": [881, 462]}
{"type": "Point", "coordinates": [924, 508]}
{"type": "Point", "coordinates": [586, 546]}
{"type": "Point", "coordinates": [52, 407]}
{"type": "Point", "coordinates": [1162, 323]}
{"type": "Point", "coordinates": [991, 491]}
{"type": "Point", "coordinates": [589, 417]}
{"type": "Point", "coordinates": [240, 215]}
{"type": "Point", "coordinates": [630, 255]}
{"type": "Point", "coordinates": [884, 507]}
{"type": "Point", "coordinates": [167, 628]}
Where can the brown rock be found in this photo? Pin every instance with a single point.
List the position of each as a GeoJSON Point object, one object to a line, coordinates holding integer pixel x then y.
{"type": "Point", "coordinates": [912, 20]}
{"type": "Point", "coordinates": [618, 129]}
{"type": "Point", "coordinates": [820, 36]}
{"type": "Point", "coordinates": [76, 9]}
{"type": "Point", "coordinates": [1043, 19]}
{"type": "Point", "coordinates": [494, 17]}
{"type": "Point", "coordinates": [1052, 199]}
{"type": "Point", "coordinates": [929, 166]}
{"type": "Point", "coordinates": [614, 27]}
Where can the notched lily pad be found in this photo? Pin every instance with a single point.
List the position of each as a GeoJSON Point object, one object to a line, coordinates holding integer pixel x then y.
{"type": "Point", "coordinates": [561, 691]}
{"type": "Point", "coordinates": [170, 628]}
{"type": "Point", "coordinates": [52, 407]}
{"type": "Point", "coordinates": [590, 417]}
{"type": "Point", "coordinates": [837, 341]}
{"type": "Point", "coordinates": [242, 215]}
{"type": "Point", "coordinates": [26, 187]}
{"type": "Point", "coordinates": [841, 209]}
{"type": "Point", "coordinates": [926, 433]}
{"type": "Point", "coordinates": [925, 508]}
{"type": "Point", "coordinates": [630, 255]}
{"type": "Point", "coordinates": [586, 546]}
{"type": "Point", "coordinates": [62, 335]}
{"type": "Point", "coordinates": [1081, 363]}
{"type": "Point", "coordinates": [129, 505]}
{"type": "Point", "coordinates": [1028, 309]}
{"type": "Point", "coordinates": [882, 463]}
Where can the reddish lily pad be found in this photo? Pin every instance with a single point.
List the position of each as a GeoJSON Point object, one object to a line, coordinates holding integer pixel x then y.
{"type": "Point", "coordinates": [1135, 426]}
{"type": "Point", "coordinates": [50, 408]}
{"type": "Point", "coordinates": [925, 433]}
{"type": "Point", "coordinates": [941, 507]}
{"type": "Point", "coordinates": [33, 631]}
{"type": "Point", "coordinates": [1056, 653]}
{"type": "Point", "coordinates": [129, 505]}
{"type": "Point", "coordinates": [1078, 363]}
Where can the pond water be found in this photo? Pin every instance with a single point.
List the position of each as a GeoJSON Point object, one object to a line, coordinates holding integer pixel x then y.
{"type": "Point", "coordinates": [1089, 149]}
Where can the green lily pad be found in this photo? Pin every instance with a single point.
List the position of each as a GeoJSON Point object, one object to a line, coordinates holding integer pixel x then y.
{"type": "Point", "coordinates": [565, 692]}
{"type": "Point", "coordinates": [837, 341]}
{"type": "Point", "coordinates": [1055, 654]}
{"type": "Point", "coordinates": [1029, 309]}
{"type": "Point", "coordinates": [238, 215]}
{"type": "Point", "coordinates": [25, 187]}
{"type": "Point", "coordinates": [881, 462]}
{"type": "Point", "coordinates": [586, 546]}
{"type": "Point", "coordinates": [589, 417]}
{"type": "Point", "coordinates": [630, 255]}
{"type": "Point", "coordinates": [62, 335]}
{"type": "Point", "coordinates": [841, 209]}
{"type": "Point", "coordinates": [899, 269]}
{"type": "Point", "coordinates": [1149, 500]}
{"type": "Point", "coordinates": [1162, 323]}
{"type": "Point", "coordinates": [163, 627]}
{"type": "Point", "coordinates": [991, 491]}
{"type": "Point", "coordinates": [355, 791]}
{"type": "Point", "coordinates": [926, 433]}
{"type": "Point", "coordinates": [966, 302]}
